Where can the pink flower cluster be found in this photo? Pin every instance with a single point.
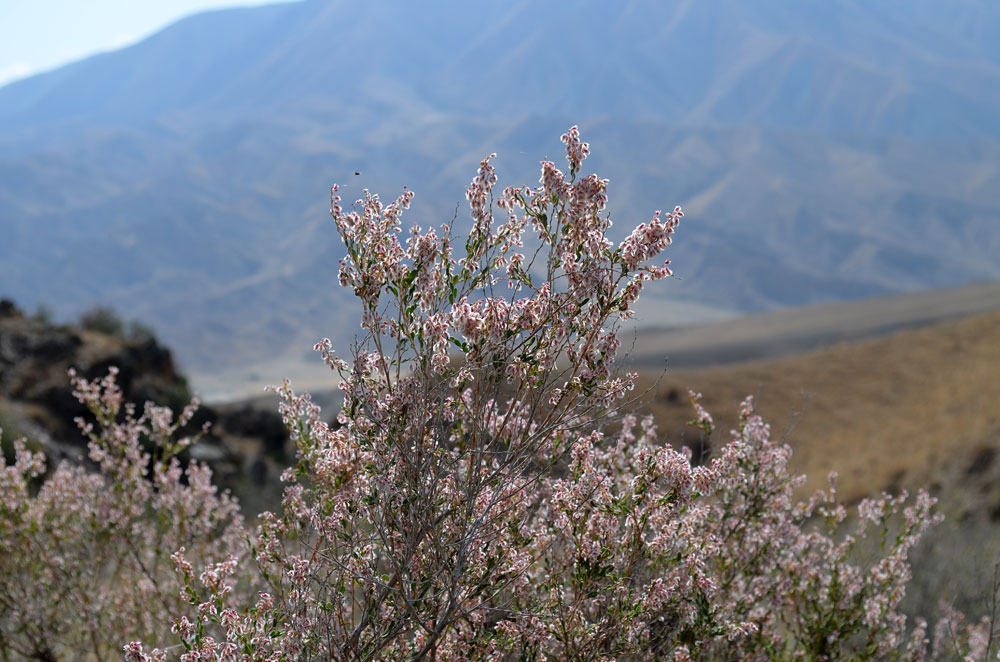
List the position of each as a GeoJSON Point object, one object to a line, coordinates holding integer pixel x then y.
{"type": "Point", "coordinates": [576, 151]}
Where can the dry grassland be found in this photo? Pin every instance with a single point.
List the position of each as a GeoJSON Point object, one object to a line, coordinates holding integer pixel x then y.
{"type": "Point", "coordinates": [918, 407]}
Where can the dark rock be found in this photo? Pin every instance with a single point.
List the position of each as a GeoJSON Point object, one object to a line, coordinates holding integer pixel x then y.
{"type": "Point", "coordinates": [63, 409]}
{"type": "Point", "coordinates": [205, 415]}
{"type": "Point", "coordinates": [673, 396]}
{"type": "Point", "coordinates": [694, 439]}
{"type": "Point", "coordinates": [262, 424]}
{"type": "Point", "coordinates": [9, 309]}
{"type": "Point", "coordinates": [981, 462]}
{"type": "Point", "coordinates": [60, 346]}
{"type": "Point", "coordinates": [258, 471]}
{"type": "Point", "coordinates": [36, 355]}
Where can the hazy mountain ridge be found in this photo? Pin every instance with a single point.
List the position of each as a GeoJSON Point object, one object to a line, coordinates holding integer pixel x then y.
{"type": "Point", "coordinates": [847, 66]}
{"type": "Point", "coordinates": [821, 150]}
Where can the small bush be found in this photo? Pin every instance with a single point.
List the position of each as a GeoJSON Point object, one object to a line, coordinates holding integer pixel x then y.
{"type": "Point", "coordinates": [102, 320]}
{"type": "Point", "coordinates": [105, 320]}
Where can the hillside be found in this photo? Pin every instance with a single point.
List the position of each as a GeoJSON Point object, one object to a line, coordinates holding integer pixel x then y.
{"type": "Point", "coordinates": [913, 408]}
{"type": "Point", "coordinates": [792, 331]}
{"type": "Point", "coordinates": [822, 151]}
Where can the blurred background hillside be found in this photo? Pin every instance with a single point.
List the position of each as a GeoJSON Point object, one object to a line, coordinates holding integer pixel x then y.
{"type": "Point", "coordinates": [824, 150]}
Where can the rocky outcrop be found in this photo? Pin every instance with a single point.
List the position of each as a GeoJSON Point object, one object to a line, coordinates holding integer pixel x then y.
{"type": "Point", "coordinates": [246, 446]}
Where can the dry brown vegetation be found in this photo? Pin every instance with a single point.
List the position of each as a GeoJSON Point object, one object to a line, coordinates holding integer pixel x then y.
{"type": "Point", "coordinates": [918, 407]}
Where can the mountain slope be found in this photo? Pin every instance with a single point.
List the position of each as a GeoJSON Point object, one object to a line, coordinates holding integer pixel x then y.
{"type": "Point", "coordinates": [822, 150]}
{"type": "Point", "coordinates": [846, 66]}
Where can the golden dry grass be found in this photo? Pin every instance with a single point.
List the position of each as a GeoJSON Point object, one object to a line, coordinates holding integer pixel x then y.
{"type": "Point", "coordinates": [918, 407]}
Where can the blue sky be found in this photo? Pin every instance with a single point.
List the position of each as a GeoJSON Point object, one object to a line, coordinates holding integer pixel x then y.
{"type": "Point", "coordinates": [37, 35]}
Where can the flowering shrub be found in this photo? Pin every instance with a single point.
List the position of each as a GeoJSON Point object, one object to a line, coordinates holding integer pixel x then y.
{"type": "Point", "coordinates": [482, 498]}
{"type": "Point", "coordinates": [85, 559]}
